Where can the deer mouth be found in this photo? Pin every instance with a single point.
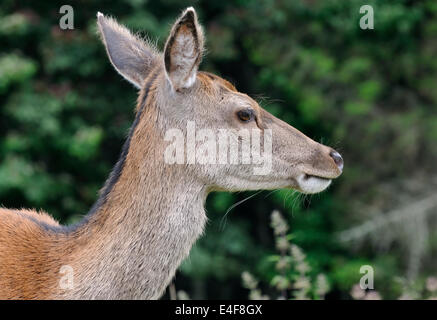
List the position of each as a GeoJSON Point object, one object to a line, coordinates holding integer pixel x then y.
{"type": "Point", "coordinates": [312, 176]}
{"type": "Point", "coordinates": [309, 183]}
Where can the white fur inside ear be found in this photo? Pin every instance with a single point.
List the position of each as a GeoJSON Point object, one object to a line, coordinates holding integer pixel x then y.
{"type": "Point", "coordinates": [183, 50]}
{"type": "Point", "coordinates": [184, 54]}
{"type": "Point", "coordinates": [191, 80]}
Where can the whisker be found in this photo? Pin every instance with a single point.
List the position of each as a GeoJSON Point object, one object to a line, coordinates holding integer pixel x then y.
{"type": "Point", "coordinates": [271, 192]}
{"type": "Point", "coordinates": [223, 221]}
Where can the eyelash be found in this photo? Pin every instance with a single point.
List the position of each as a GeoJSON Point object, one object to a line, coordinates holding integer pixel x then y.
{"type": "Point", "coordinates": [246, 115]}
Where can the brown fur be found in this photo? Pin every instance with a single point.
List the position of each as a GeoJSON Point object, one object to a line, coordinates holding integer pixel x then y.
{"type": "Point", "coordinates": [28, 257]}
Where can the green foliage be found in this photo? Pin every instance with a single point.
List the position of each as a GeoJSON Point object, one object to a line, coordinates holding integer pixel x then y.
{"type": "Point", "coordinates": [15, 69]}
{"type": "Point", "coordinates": [292, 271]}
{"type": "Point", "coordinates": [14, 25]}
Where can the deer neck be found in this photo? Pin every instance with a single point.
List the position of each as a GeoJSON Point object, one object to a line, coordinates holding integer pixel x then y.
{"type": "Point", "coordinates": [144, 224]}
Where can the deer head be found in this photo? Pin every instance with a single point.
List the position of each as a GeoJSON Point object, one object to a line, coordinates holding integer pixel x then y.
{"type": "Point", "coordinates": [184, 95]}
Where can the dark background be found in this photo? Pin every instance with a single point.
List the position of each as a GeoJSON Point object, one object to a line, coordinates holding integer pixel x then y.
{"type": "Point", "coordinates": [371, 94]}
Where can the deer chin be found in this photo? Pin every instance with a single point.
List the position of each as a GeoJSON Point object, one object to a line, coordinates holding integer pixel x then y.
{"type": "Point", "coordinates": [310, 184]}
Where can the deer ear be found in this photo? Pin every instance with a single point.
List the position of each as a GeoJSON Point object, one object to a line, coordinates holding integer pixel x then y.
{"type": "Point", "coordinates": [183, 50]}
{"type": "Point", "coordinates": [131, 56]}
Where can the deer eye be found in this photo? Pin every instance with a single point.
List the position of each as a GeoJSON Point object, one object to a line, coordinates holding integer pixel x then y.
{"type": "Point", "coordinates": [245, 115]}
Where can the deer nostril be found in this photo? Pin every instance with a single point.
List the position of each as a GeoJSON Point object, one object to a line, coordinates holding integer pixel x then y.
{"type": "Point", "coordinates": [337, 159]}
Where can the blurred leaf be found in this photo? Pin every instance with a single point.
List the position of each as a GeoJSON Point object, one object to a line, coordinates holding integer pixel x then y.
{"type": "Point", "coordinates": [15, 69]}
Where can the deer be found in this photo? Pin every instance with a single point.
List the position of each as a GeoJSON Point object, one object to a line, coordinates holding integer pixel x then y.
{"type": "Point", "coordinates": [149, 213]}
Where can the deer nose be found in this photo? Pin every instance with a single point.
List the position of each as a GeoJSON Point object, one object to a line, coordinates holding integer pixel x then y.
{"type": "Point", "coordinates": [337, 159]}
